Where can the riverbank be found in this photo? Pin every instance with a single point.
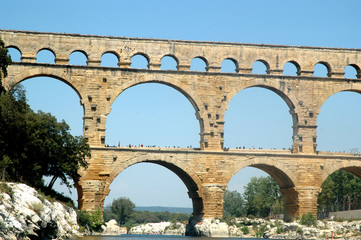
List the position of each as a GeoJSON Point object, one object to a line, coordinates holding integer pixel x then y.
{"type": "Point", "coordinates": [27, 214]}
{"type": "Point", "coordinates": [256, 228]}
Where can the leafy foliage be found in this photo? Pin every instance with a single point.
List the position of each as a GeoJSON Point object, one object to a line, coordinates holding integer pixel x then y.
{"type": "Point", "coordinates": [91, 220]}
{"type": "Point", "coordinates": [34, 145]}
{"type": "Point", "coordinates": [308, 219]}
{"type": "Point", "coordinates": [260, 198]}
{"type": "Point", "coordinates": [122, 210]}
{"type": "Point", "coordinates": [5, 61]}
{"type": "Point", "coordinates": [234, 204]}
{"type": "Point", "coordinates": [340, 191]}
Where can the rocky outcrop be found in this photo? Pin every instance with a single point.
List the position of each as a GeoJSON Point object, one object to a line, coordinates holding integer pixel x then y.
{"type": "Point", "coordinates": [162, 228]}
{"type": "Point", "coordinates": [26, 214]}
{"type": "Point", "coordinates": [112, 228]}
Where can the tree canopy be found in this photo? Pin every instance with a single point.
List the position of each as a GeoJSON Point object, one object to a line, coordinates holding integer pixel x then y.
{"type": "Point", "coordinates": [261, 198]}
{"type": "Point", "coordinates": [5, 61]}
{"type": "Point", "coordinates": [34, 145]}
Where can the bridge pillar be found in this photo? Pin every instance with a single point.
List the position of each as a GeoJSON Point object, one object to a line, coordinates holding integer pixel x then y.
{"type": "Point", "coordinates": [307, 199]}
{"type": "Point", "coordinates": [91, 194]}
{"type": "Point", "coordinates": [290, 203]}
{"type": "Point", "coordinates": [213, 195]}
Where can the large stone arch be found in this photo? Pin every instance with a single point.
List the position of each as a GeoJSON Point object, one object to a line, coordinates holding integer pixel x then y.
{"type": "Point", "coordinates": [42, 72]}
{"type": "Point", "coordinates": [332, 91]}
{"type": "Point", "coordinates": [191, 95]}
{"type": "Point", "coordinates": [184, 171]}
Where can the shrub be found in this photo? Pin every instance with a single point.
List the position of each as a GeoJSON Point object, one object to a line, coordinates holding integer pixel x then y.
{"type": "Point", "coordinates": [5, 188]}
{"type": "Point", "coordinates": [308, 219]}
{"type": "Point", "coordinates": [245, 230]}
{"type": "Point", "coordinates": [92, 221]}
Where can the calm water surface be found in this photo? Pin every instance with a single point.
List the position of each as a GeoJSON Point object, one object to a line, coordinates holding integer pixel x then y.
{"type": "Point", "coordinates": [154, 237]}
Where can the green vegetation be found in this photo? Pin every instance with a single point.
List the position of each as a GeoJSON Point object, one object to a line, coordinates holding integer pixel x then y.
{"type": "Point", "coordinates": [260, 199]}
{"type": "Point", "coordinates": [308, 219]}
{"type": "Point", "coordinates": [35, 145]}
{"type": "Point", "coordinates": [122, 210]}
{"type": "Point", "coordinates": [91, 221]}
{"type": "Point", "coordinates": [341, 191]}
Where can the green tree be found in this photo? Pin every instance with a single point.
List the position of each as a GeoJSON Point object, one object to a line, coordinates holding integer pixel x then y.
{"type": "Point", "coordinates": [34, 145]}
{"type": "Point", "coordinates": [327, 196]}
{"type": "Point", "coordinates": [260, 194]}
{"type": "Point", "coordinates": [5, 61]}
{"type": "Point", "coordinates": [340, 191]}
{"type": "Point", "coordinates": [122, 209]}
{"type": "Point", "coordinates": [234, 204]}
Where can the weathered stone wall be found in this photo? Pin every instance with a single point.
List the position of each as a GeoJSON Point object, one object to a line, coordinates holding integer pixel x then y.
{"type": "Point", "coordinates": [206, 172]}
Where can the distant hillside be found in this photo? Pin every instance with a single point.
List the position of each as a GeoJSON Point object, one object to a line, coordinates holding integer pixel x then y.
{"type": "Point", "coordinates": [164, 209]}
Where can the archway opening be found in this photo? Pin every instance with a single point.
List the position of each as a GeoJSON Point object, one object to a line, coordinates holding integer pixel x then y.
{"type": "Point", "coordinates": [109, 60]}
{"type": "Point", "coordinates": [198, 64]}
{"type": "Point", "coordinates": [78, 58]}
{"type": "Point", "coordinates": [291, 69]}
{"type": "Point", "coordinates": [229, 65]}
{"type": "Point", "coordinates": [338, 124]}
{"type": "Point", "coordinates": [139, 61]}
{"type": "Point", "coordinates": [352, 71]}
{"type": "Point", "coordinates": [45, 56]}
{"type": "Point", "coordinates": [258, 191]}
{"type": "Point", "coordinates": [321, 70]}
{"type": "Point", "coordinates": [15, 54]}
{"type": "Point", "coordinates": [169, 63]}
{"type": "Point", "coordinates": [53, 96]}
{"type": "Point", "coordinates": [159, 189]}
{"type": "Point", "coordinates": [341, 193]}
{"type": "Point", "coordinates": [258, 118]}
{"type": "Point", "coordinates": [152, 114]}
{"type": "Point", "coordinates": [260, 67]}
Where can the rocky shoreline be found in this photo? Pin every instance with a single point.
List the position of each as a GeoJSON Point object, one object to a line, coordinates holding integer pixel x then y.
{"type": "Point", "coordinates": [26, 214]}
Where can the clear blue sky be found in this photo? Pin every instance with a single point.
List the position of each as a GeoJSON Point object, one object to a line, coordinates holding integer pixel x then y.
{"type": "Point", "coordinates": [150, 119]}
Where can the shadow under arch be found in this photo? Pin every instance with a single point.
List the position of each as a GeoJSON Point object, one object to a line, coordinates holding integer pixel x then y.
{"type": "Point", "coordinates": [184, 172]}
{"type": "Point", "coordinates": [188, 93]}
{"type": "Point", "coordinates": [284, 177]}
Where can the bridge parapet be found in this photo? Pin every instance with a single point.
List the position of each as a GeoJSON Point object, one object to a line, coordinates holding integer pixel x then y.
{"type": "Point", "coordinates": [243, 55]}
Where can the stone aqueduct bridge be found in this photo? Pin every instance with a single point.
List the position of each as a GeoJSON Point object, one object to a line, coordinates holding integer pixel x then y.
{"type": "Point", "coordinates": [205, 171]}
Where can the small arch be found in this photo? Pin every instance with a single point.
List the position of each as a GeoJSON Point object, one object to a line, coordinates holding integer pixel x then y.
{"type": "Point", "coordinates": [140, 60]}
{"type": "Point", "coordinates": [14, 53]}
{"type": "Point", "coordinates": [322, 69]}
{"type": "Point", "coordinates": [199, 64]}
{"type": "Point", "coordinates": [260, 67]}
{"type": "Point", "coordinates": [45, 55]}
{"type": "Point", "coordinates": [109, 59]}
{"type": "Point", "coordinates": [229, 65]}
{"type": "Point", "coordinates": [352, 71]}
{"type": "Point", "coordinates": [78, 58]}
{"type": "Point", "coordinates": [291, 68]}
{"type": "Point", "coordinates": [169, 62]}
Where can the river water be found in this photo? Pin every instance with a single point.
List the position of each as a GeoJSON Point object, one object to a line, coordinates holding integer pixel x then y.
{"type": "Point", "coordinates": [154, 237]}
